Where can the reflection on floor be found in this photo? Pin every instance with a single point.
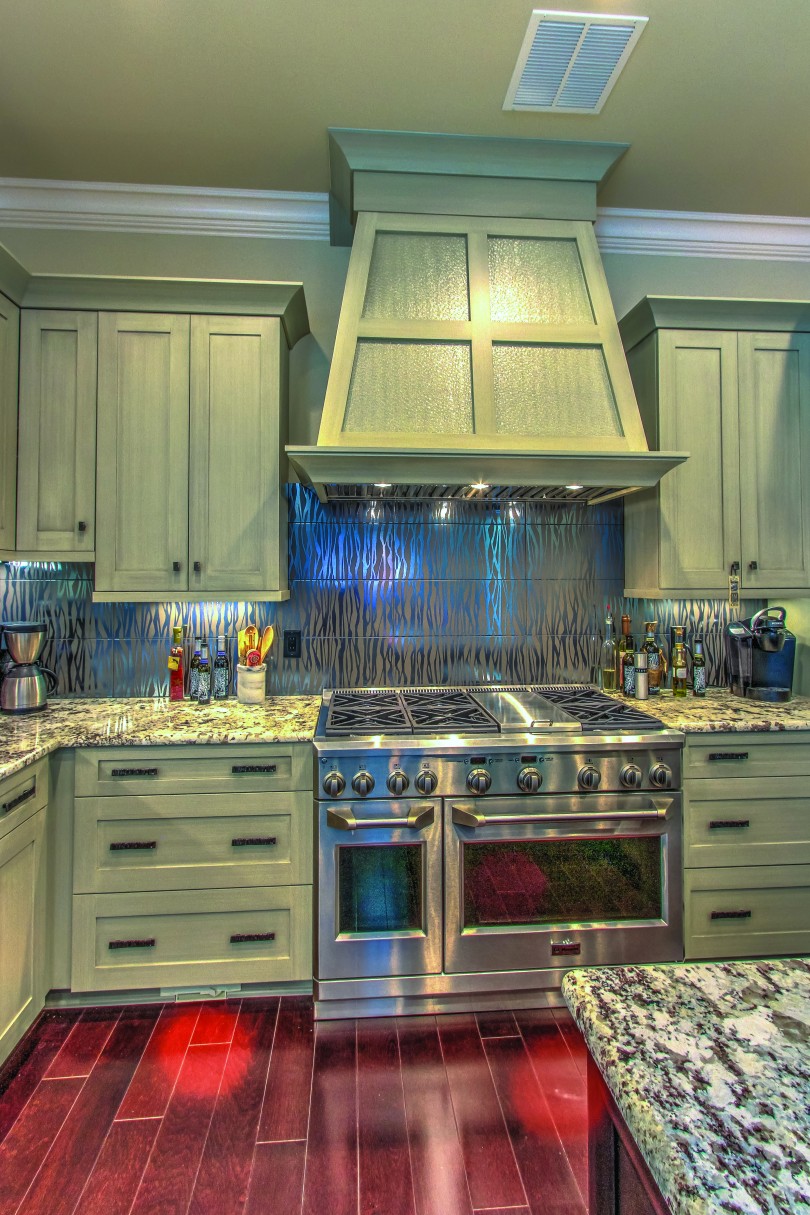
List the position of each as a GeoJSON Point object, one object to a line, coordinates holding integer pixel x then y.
{"type": "Point", "coordinates": [248, 1107]}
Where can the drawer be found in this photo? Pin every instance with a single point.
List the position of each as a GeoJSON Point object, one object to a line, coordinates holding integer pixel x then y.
{"type": "Point", "coordinates": [747, 912]}
{"type": "Point", "coordinates": [186, 938]}
{"type": "Point", "coordinates": [756, 822]}
{"type": "Point", "coordinates": [189, 842]}
{"type": "Point", "coordinates": [22, 795]}
{"type": "Point", "coordinates": [236, 768]}
{"type": "Point", "coordinates": [725, 756]}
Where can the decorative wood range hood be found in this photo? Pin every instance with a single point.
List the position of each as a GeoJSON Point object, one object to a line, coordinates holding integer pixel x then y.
{"type": "Point", "coordinates": [477, 351]}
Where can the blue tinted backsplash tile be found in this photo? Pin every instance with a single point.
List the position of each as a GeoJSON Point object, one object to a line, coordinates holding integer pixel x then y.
{"type": "Point", "coordinates": [383, 594]}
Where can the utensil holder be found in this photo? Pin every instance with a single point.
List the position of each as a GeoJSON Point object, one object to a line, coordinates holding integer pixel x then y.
{"type": "Point", "coordinates": [250, 684]}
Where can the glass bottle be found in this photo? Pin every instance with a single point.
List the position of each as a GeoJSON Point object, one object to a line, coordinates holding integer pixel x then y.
{"type": "Point", "coordinates": [642, 676]}
{"type": "Point", "coordinates": [609, 655]}
{"type": "Point", "coordinates": [204, 676]}
{"type": "Point", "coordinates": [627, 660]}
{"type": "Point", "coordinates": [679, 663]}
{"type": "Point", "coordinates": [656, 667]}
{"type": "Point", "coordinates": [194, 670]}
{"type": "Point", "coordinates": [176, 673]}
{"type": "Point", "coordinates": [221, 670]}
{"type": "Point", "coordinates": [698, 666]}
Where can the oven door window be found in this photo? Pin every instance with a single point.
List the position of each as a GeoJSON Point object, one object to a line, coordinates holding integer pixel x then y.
{"type": "Point", "coordinates": [380, 889]}
{"type": "Point", "coordinates": [561, 881]}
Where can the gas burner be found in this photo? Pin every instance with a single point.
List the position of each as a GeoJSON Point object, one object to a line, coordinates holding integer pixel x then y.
{"type": "Point", "coordinates": [367, 712]}
{"type": "Point", "coordinates": [597, 712]}
{"type": "Point", "coordinates": [449, 711]}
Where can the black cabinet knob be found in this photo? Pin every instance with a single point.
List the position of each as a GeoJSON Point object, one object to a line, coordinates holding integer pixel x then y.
{"type": "Point", "coordinates": [197, 567]}
{"type": "Point", "coordinates": [176, 567]}
{"type": "Point", "coordinates": [81, 525]}
{"type": "Point", "coordinates": [752, 565]}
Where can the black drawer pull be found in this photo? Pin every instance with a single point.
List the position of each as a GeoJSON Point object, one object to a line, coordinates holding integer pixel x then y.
{"type": "Point", "coordinates": [240, 769]}
{"type": "Point", "coordinates": [565, 947]}
{"type": "Point", "coordinates": [134, 772]}
{"type": "Point", "coordinates": [19, 799]}
{"type": "Point", "coordinates": [133, 846]}
{"type": "Point", "coordinates": [731, 915]}
{"type": "Point", "coordinates": [248, 841]}
{"type": "Point", "coordinates": [725, 755]}
{"type": "Point", "coordinates": [238, 938]}
{"type": "Point", "coordinates": [729, 822]}
{"type": "Point", "coordinates": [133, 943]}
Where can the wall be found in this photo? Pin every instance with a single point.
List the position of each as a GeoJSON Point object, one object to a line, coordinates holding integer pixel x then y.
{"type": "Point", "coordinates": [420, 593]}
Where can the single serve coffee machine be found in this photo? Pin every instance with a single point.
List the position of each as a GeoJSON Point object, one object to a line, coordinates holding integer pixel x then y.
{"type": "Point", "coordinates": [760, 653]}
{"type": "Point", "coordinates": [25, 683]}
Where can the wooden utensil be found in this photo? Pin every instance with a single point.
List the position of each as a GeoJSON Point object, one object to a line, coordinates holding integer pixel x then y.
{"type": "Point", "coordinates": [267, 640]}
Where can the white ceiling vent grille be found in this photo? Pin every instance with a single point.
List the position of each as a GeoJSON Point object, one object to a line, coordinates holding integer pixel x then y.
{"type": "Point", "coordinates": [569, 62]}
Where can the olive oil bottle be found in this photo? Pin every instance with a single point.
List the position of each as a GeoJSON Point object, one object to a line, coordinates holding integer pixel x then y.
{"type": "Point", "coordinates": [679, 680]}
{"type": "Point", "coordinates": [627, 660]}
{"type": "Point", "coordinates": [609, 656]}
{"type": "Point", "coordinates": [656, 663]}
{"type": "Point", "coordinates": [698, 666]}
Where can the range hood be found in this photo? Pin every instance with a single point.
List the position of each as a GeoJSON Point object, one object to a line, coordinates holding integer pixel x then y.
{"type": "Point", "coordinates": [477, 351]}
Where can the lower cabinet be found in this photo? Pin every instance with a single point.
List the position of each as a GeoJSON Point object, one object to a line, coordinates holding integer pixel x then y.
{"type": "Point", "coordinates": [202, 878]}
{"type": "Point", "coordinates": [747, 845]}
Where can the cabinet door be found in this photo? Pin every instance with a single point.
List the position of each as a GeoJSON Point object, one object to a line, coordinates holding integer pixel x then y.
{"type": "Point", "coordinates": [57, 446]}
{"type": "Point", "coordinates": [700, 505]}
{"type": "Point", "coordinates": [237, 513]}
{"type": "Point", "coordinates": [142, 479]}
{"type": "Point", "coordinates": [9, 363]}
{"type": "Point", "coordinates": [22, 930]}
{"type": "Point", "coordinates": [775, 460]}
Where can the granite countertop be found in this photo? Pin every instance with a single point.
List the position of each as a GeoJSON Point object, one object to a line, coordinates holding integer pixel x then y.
{"type": "Point", "coordinates": [26, 738]}
{"type": "Point", "coordinates": [709, 1065]}
{"type": "Point", "coordinates": [719, 711]}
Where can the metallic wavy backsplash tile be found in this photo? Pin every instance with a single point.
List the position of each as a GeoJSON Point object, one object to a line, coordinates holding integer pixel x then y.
{"type": "Point", "coordinates": [383, 593]}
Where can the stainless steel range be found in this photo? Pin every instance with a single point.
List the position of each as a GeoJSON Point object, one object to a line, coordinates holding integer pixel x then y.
{"type": "Point", "coordinates": [476, 842]}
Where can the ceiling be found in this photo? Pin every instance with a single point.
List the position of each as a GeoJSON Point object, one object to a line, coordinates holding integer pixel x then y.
{"type": "Point", "coordinates": [714, 100]}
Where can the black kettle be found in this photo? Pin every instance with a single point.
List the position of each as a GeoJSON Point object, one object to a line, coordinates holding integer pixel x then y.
{"type": "Point", "coordinates": [768, 629]}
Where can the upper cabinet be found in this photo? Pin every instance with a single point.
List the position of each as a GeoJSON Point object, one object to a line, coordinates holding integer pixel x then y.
{"type": "Point", "coordinates": [729, 382]}
{"type": "Point", "coordinates": [9, 365]}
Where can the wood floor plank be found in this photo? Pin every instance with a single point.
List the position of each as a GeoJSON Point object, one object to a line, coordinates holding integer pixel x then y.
{"type": "Point", "coordinates": [437, 1164]}
{"type": "Point", "coordinates": [169, 1178]}
{"type": "Point", "coordinates": [330, 1177]}
{"type": "Point", "coordinates": [222, 1181]}
{"type": "Point", "coordinates": [285, 1114]}
{"type": "Point", "coordinates": [83, 1044]}
{"type": "Point", "coordinates": [540, 1153]}
{"type": "Point", "coordinates": [117, 1173]}
{"type": "Point", "coordinates": [29, 1061]}
{"type": "Point", "coordinates": [25, 1146]}
{"type": "Point", "coordinates": [573, 1038]}
{"type": "Point", "coordinates": [497, 1024]}
{"type": "Point", "coordinates": [384, 1157]}
{"type": "Point", "coordinates": [489, 1162]}
{"type": "Point", "coordinates": [67, 1166]}
{"type": "Point", "coordinates": [277, 1181]}
{"type": "Point", "coordinates": [155, 1077]}
{"type": "Point", "coordinates": [504, 1211]}
{"type": "Point", "coordinates": [216, 1022]}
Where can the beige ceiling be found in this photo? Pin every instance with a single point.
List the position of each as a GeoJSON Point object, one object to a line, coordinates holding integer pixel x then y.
{"type": "Point", "coordinates": [715, 99]}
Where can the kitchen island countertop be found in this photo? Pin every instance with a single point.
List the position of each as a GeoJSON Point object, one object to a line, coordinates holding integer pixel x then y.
{"type": "Point", "coordinates": [25, 738]}
{"type": "Point", "coordinates": [709, 1065]}
{"type": "Point", "coordinates": [719, 711]}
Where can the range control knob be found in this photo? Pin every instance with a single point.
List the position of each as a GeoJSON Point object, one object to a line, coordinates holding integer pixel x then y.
{"type": "Point", "coordinates": [397, 783]}
{"type": "Point", "coordinates": [589, 777]}
{"type": "Point", "coordinates": [426, 782]}
{"type": "Point", "coordinates": [631, 776]}
{"type": "Point", "coordinates": [529, 780]}
{"type": "Point", "coordinates": [363, 783]}
{"type": "Point", "coordinates": [661, 776]}
{"type": "Point", "coordinates": [479, 780]}
{"type": "Point", "coordinates": [333, 784]}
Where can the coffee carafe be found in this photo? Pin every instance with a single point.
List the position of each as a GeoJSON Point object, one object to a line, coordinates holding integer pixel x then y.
{"type": "Point", "coordinates": [25, 683]}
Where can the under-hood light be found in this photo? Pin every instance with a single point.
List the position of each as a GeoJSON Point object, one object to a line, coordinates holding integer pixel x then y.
{"type": "Point", "coordinates": [480, 485]}
{"type": "Point", "coordinates": [382, 484]}
{"type": "Point", "coordinates": [572, 487]}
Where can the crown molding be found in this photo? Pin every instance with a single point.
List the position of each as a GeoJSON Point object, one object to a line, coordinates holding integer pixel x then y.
{"type": "Point", "coordinates": [287, 215]}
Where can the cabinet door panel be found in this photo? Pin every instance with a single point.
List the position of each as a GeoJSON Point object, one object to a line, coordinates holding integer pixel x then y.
{"type": "Point", "coordinates": [57, 448]}
{"type": "Point", "coordinates": [235, 497]}
{"type": "Point", "coordinates": [775, 459]}
{"type": "Point", "coordinates": [9, 364]}
{"type": "Point", "coordinates": [22, 930]}
{"type": "Point", "coordinates": [700, 513]}
{"type": "Point", "coordinates": [142, 483]}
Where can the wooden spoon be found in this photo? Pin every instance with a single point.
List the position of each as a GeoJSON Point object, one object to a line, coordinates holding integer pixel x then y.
{"type": "Point", "coordinates": [267, 640]}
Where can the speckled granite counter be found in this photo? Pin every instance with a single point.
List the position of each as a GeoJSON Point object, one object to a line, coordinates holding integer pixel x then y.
{"type": "Point", "coordinates": [709, 1065]}
{"type": "Point", "coordinates": [720, 712]}
{"type": "Point", "coordinates": [93, 723]}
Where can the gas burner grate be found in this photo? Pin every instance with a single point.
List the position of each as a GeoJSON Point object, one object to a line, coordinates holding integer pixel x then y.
{"type": "Point", "coordinates": [597, 712]}
{"type": "Point", "coordinates": [367, 713]}
{"type": "Point", "coordinates": [449, 712]}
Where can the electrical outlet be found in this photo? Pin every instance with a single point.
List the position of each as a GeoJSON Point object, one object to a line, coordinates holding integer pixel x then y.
{"type": "Point", "coordinates": [292, 643]}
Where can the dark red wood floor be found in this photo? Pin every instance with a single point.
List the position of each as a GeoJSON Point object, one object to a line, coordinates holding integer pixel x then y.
{"type": "Point", "coordinates": [247, 1107]}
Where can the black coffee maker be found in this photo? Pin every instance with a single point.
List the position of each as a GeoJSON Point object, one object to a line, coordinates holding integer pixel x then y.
{"type": "Point", "coordinates": [760, 653]}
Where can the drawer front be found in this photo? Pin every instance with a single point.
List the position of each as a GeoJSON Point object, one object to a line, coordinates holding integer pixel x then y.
{"type": "Point", "coordinates": [236, 768]}
{"type": "Point", "coordinates": [191, 842]}
{"type": "Point", "coordinates": [22, 795]}
{"type": "Point", "coordinates": [184, 938]}
{"type": "Point", "coordinates": [726, 756]}
{"type": "Point", "coordinates": [756, 911]}
{"type": "Point", "coordinates": [754, 824]}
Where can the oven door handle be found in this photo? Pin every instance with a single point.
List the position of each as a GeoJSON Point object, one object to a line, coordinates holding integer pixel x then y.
{"type": "Point", "coordinates": [468, 815]}
{"type": "Point", "coordinates": [344, 820]}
